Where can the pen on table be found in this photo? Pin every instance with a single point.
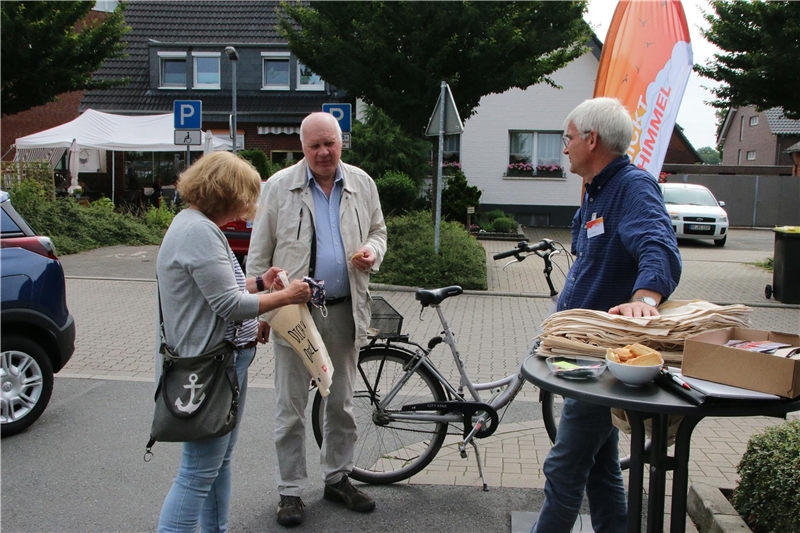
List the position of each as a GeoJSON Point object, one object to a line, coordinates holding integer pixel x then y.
{"type": "Point", "coordinates": [676, 379]}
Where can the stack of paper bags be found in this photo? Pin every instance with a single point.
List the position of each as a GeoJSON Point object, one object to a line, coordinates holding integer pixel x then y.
{"type": "Point", "coordinates": [296, 326]}
{"type": "Point", "coordinates": [589, 333]}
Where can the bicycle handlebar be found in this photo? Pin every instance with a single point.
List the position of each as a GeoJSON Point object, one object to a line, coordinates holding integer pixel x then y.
{"type": "Point", "coordinates": [523, 246]}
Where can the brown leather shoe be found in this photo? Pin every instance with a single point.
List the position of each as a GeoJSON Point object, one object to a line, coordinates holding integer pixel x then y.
{"type": "Point", "coordinates": [291, 511]}
{"type": "Point", "coordinates": [353, 499]}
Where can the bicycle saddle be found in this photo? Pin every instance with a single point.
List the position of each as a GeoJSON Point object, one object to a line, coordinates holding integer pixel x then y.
{"type": "Point", "coordinates": [437, 296]}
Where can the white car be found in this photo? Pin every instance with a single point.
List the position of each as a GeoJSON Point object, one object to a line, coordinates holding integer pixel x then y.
{"type": "Point", "coordinates": [695, 213]}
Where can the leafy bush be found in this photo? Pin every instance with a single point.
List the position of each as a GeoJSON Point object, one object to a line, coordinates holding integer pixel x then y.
{"type": "Point", "coordinates": [767, 496]}
{"type": "Point", "coordinates": [260, 160]}
{"type": "Point", "coordinates": [457, 196]}
{"type": "Point", "coordinates": [504, 225]}
{"type": "Point", "coordinates": [159, 218]}
{"type": "Point", "coordinates": [397, 193]}
{"type": "Point", "coordinates": [411, 261]}
{"type": "Point", "coordinates": [380, 146]}
{"type": "Point", "coordinates": [74, 228]}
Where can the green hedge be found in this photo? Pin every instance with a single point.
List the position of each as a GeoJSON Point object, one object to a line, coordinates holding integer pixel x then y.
{"type": "Point", "coordinates": [411, 261]}
{"type": "Point", "coordinates": [74, 228]}
{"type": "Point", "coordinates": [768, 497]}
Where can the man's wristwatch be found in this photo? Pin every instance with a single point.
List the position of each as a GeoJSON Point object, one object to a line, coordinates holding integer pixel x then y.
{"type": "Point", "coordinates": [646, 299]}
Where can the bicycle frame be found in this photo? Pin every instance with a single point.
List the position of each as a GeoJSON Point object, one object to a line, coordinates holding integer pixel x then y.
{"type": "Point", "coordinates": [502, 397]}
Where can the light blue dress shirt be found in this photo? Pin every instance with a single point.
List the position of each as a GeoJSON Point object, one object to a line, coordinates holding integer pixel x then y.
{"type": "Point", "coordinates": [331, 263]}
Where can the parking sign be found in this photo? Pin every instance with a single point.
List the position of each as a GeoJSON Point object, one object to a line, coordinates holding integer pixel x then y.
{"type": "Point", "coordinates": [188, 114]}
{"type": "Point", "coordinates": [342, 114]}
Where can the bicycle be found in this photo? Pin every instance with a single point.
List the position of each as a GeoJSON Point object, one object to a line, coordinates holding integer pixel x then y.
{"type": "Point", "coordinates": [403, 404]}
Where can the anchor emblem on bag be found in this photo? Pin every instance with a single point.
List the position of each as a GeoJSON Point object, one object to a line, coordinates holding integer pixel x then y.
{"type": "Point", "coordinates": [191, 407]}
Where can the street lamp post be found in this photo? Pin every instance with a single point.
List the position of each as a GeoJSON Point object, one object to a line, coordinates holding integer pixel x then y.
{"type": "Point", "coordinates": [233, 55]}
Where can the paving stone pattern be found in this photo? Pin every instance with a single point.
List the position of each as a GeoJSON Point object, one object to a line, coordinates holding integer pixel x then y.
{"type": "Point", "coordinates": [111, 292]}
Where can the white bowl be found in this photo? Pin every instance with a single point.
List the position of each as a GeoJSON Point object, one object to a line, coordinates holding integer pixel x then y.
{"type": "Point", "coordinates": [633, 375]}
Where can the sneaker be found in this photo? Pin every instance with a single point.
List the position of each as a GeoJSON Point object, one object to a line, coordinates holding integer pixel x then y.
{"type": "Point", "coordinates": [352, 498]}
{"type": "Point", "coordinates": [291, 511]}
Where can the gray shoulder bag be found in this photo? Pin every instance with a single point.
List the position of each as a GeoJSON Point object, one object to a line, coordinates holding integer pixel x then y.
{"type": "Point", "coordinates": [197, 397]}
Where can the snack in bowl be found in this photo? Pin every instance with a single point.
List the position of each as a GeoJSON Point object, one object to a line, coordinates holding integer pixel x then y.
{"type": "Point", "coordinates": [634, 364]}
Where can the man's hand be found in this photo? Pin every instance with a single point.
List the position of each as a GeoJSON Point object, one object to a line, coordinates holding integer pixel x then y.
{"type": "Point", "coordinates": [634, 310]}
{"type": "Point", "coordinates": [263, 332]}
{"type": "Point", "coordinates": [363, 259]}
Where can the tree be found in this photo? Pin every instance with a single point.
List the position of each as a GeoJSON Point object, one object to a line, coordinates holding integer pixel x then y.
{"type": "Point", "coordinates": [379, 145]}
{"type": "Point", "coordinates": [49, 48]}
{"type": "Point", "coordinates": [395, 54]}
{"type": "Point", "coordinates": [761, 55]}
{"type": "Point", "coordinates": [709, 155]}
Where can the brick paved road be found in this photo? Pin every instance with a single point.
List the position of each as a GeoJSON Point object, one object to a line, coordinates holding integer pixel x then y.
{"type": "Point", "coordinates": [111, 293]}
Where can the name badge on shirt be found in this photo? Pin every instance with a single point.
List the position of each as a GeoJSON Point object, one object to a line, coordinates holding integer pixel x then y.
{"type": "Point", "coordinates": [595, 227]}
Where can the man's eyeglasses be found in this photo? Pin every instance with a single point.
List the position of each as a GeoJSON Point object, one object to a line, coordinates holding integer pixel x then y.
{"type": "Point", "coordinates": [566, 139]}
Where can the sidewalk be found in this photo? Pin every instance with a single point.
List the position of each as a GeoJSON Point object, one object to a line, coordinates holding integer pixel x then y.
{"type": "Point", "coordinates": [111, 292]}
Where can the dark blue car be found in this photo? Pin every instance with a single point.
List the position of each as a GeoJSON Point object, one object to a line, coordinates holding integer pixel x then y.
{"type": "Point", "coordinates": [38, 333]}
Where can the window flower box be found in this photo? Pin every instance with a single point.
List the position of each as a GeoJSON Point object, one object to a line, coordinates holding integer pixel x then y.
{"type": "Point", "coordinates": [549, 171]}
{"type": "Point", "coordinates": [519, 169]}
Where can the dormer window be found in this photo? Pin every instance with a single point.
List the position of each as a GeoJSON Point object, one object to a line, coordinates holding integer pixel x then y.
{"type": "Point", "coordinates": [307, 80]}
{"type": "Point", "coordinates": [172, 70]}
{"type": "Point", "coordinates": [206, 70]}
{"type": "Point", "coordinates": [275, 71]}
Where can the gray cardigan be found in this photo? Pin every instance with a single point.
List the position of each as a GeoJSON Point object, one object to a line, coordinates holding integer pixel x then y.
{"type": "Point", "coordinates": [198, 289]}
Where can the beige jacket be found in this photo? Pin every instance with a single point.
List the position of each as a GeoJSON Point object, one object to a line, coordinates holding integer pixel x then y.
{"type": "Point", "coordinates": [283, 230]}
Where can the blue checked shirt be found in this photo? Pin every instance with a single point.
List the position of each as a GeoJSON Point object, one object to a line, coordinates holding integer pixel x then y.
{"type": "Point", "coordinates": [331, 265]}
{"type": "Point", "coordinates": [636, 250]}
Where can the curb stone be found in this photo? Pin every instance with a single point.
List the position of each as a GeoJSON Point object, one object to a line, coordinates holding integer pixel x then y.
{"type": "Point", "coordinates": [711, 511]}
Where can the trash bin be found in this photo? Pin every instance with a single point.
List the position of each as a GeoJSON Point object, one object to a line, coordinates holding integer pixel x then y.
{"type": "Point", "coordinates": [786, 266]}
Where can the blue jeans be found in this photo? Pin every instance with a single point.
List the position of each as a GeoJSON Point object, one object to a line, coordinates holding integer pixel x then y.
{"type": "Point", "coordinates": [584, 457]}
{"type": "Point", "coordinates": [201, 491]}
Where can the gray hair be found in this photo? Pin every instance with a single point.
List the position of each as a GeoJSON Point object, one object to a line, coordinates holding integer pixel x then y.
{"type": "Point", "coordinates": [325, 116]}
{"type": "Point", "coordinates": [609, 118]}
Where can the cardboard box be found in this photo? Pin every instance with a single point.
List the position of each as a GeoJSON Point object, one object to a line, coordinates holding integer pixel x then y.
{"type": "Point", "coordinates": [706, 357]}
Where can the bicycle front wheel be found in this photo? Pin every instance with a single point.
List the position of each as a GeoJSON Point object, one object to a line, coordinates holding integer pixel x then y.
{"type": "Point", "coordinates": [389, 450]}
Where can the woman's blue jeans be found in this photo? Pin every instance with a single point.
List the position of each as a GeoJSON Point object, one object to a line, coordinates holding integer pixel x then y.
{"type": "Point", "coordinates": [584, 457]}
{"type": "Point", "coordinates": [201, 491]}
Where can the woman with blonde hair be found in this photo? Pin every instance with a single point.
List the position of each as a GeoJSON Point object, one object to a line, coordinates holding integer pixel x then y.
{"type": "Point", "coordinates": [205, 298]}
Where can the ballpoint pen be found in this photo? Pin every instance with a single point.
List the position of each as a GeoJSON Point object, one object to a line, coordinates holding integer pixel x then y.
{"type": "Point", "coordinates": [675, 378]}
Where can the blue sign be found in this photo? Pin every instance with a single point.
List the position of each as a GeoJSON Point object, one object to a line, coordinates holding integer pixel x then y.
{"type": "Point", "coordinates": [341, 112]}
{"type": "Point", "coordinates": [188, 114]}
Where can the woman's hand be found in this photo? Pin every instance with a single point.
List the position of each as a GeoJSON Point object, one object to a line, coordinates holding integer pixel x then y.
{"type": "Point", "coordinates": [271, 277]}
{"type": "Point", "coordinates": [298, 292]}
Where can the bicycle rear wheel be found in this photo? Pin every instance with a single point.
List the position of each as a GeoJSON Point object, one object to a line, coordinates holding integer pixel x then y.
{"type": "Point", "coordinates": [389, 450]}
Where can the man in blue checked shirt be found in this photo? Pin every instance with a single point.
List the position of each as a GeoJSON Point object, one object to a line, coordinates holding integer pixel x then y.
{"type": "Point", "coordinates": [627, 263]}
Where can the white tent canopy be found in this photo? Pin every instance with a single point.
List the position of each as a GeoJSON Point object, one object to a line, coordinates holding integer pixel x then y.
{"type": "Point", "coordinates": [104, 131]}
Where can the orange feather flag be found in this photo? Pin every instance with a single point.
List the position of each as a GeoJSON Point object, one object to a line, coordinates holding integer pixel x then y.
{"type": "Point", "coordinates": [645, 63]}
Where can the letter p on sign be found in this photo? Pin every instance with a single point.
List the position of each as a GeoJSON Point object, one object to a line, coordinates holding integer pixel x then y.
{"type": "Point", "coordinates": [188, 114]}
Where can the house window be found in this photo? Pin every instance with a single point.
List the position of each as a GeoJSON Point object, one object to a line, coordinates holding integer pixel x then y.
{"type": "Point", "coordinates": [751, 155]}
{"type": "Point", "coordinates": [172, 70]}
{"type": "Point", "coordinates": [754, 121]}
{"type": "Point", "coordinates": [452, 149]}
{"type": "Point", "coordinates": [535, 149]}
{"type": "Point", "coordinates": [206, 70]}
{"type": "Point", "coordinates": [276, 71]}
{"type": "Point", "coordinates": [307, 80]}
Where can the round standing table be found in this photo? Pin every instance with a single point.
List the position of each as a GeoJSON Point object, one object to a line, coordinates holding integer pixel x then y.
{"type": "Point", "coordinates": [651, 401]}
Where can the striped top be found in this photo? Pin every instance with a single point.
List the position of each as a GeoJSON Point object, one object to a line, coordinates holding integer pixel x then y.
{"type": "Point", "coordinates": [249, 328]}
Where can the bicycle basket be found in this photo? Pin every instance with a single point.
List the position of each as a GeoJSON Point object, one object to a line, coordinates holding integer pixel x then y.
{"type": "Point", "coordinates": [386, 322]}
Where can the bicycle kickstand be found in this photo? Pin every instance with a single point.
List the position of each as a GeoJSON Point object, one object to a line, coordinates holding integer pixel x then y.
{"type": "Point", "coordinates": [470, 438]}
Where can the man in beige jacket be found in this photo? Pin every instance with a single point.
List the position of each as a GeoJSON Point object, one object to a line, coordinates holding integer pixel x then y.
{"type": "Point", "coordinates": [321, 218]}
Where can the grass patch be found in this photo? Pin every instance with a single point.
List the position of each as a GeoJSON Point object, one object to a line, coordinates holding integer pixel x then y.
{"type": "Point", "coordinates": [766, 264]}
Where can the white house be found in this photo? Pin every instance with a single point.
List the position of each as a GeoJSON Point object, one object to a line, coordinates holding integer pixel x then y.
{"type": "Point", "coordinates": [528, 125]}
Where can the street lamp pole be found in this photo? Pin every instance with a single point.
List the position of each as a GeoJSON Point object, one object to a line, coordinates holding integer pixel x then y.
{"type": "Point", "coordinates": [233, 55]}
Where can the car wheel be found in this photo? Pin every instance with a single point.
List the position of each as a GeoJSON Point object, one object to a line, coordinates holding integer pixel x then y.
{"type": "Point", "coordinates": [721, 242]}
{"type": "Point", "coordinates": [26, 381]}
